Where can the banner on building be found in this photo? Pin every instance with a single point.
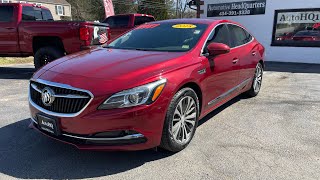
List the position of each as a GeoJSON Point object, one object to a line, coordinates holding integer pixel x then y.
{"type": "Point", "coordinates": [108, 6]}
{"type": "Point", "coordinates": [237, 8]}
{"type": "Point", "coordinates": [297, 27]}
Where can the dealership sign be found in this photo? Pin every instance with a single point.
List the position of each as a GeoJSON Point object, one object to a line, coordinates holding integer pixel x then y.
{"type": "Point", "coordinates": [296, 28]}
{"type": "Point", "coordinates": [237, 8]}
{"type": "Point", "coordinates": [299, 17]}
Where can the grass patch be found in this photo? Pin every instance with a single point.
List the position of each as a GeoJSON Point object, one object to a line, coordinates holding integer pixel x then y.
{"type": "Point", "coordinates": [11, 60]}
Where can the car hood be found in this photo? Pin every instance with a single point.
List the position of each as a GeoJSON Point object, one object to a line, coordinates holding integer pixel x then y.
{"type": "Point", "coordinates": [113, 64]}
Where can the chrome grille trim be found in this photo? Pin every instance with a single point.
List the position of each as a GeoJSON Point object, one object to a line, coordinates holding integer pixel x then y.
{"type": "Point", "coordinates": [70, 96]}
{"type": "Point", "coordinates": [59, 85]}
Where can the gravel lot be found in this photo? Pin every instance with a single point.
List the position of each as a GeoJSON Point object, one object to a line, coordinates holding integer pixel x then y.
{"type": "Point", "coordinates": [273, 136]}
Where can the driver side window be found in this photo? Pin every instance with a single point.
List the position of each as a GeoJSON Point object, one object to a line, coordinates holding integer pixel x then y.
{"type": "Point", "coordinates": [219, 35]}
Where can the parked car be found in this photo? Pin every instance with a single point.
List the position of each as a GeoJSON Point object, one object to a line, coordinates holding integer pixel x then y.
{"type": "Point", "coordinates": [307, 35]}
{"type": "Point", "coordinates": [147, 88]}
{"type": "Point", "coordinates": [29, 30]}
{"type": "Point", "coordinates": [285, 36]}
{"type": "Point", "coordinates": [122, 23]}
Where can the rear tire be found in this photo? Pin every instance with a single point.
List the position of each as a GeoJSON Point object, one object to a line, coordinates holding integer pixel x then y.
{"type": "Point", "coordinates": [181, 120]}
{"type": "Point", "coordinates": [257, 81]}
{"type": "Point", "coordinates": [46, 55]}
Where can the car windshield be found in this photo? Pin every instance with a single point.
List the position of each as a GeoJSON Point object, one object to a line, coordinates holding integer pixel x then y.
{"type": "Point", "coordinates": [171, 37]}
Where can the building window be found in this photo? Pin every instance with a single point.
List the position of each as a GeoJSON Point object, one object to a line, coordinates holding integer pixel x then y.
{"type": "Point", "coordinates": [5, 1]}
{"type": "Point", "coordinates": [60, 10]}
{"type": "Point", "coordinates": [296, 28]}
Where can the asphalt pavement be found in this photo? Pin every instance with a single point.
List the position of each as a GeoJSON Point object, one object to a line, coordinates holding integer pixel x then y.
{"type": "Point", "coordinates": [273, 136]}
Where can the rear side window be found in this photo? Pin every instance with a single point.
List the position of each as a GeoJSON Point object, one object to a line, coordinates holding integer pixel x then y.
{"type": "Point", "coordinates": [6, 13]}
{"type": "Point", "coordinates": [118, 21]}
{"type": "Point", "coordinates": [142, 19]}
{"type": "Point", "coordinates": [248, 36]}
{"type": "Point", "coordinates": [36, 14]}
{"type": "Point", "coordinates": [220, 35]}
{"type": "Point", "coordinates": [47, 16]}
{"type": "Point", "coordinates": [239, 35]}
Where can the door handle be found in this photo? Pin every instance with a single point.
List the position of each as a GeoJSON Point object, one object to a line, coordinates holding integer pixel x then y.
{"type": "Point", "coordinates": [254, 53]}
{"type": "Point", "coordinates": [9, 28]}
{"type": "Point", "coordinates": [235, 61]}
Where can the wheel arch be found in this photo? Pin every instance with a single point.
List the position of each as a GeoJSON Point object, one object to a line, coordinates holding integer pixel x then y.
{"type": "Point", "coordinates": [263, 64]}
{"type": "Point", "coordinates": [44, 41]}
{"type": "Point", "coordinates": [197, 89]}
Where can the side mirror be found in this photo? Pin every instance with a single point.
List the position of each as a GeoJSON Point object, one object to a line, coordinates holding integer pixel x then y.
{"type": "Point", "coordinates": [215, 49]}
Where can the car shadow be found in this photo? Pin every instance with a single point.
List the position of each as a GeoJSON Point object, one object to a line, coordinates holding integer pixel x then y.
{"type": "Point", "coordinates": [12, 72]}
{"type": "Point", "coordinates": [24, 154]}
{"type": "Point", "coordinates": [292, 67]}
{"type": "Point", "coordinates": [221, 108]}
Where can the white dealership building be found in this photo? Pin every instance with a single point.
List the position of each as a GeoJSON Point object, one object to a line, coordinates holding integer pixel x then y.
{"type": "Point", "coordinates": [289, 29]}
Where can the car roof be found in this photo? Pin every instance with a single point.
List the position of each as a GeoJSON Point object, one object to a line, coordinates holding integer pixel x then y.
{"type": "Point", "coordinates": [22, 4]}
{"type": "Point", "coordinates": [133, 14]}
{"type": "Point", "coordinates": [197, 21]}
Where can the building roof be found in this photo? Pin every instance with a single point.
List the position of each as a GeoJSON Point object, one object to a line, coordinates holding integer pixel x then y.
{"type": "Point", "coordinates": [62, 2]}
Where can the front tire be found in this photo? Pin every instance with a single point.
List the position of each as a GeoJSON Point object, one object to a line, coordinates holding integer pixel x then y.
{"type": "Point", "coordinates": [181, 120]}
{"type": "Point", "coordinates": [46, 55]}
{"type": "Point", "coordinates": [257, 81]}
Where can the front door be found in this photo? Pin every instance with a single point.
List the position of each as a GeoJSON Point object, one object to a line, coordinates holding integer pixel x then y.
{"type": "Point", "coordinates": [8, 31]}
{"type": "Point", "coordinates": [223, 75]}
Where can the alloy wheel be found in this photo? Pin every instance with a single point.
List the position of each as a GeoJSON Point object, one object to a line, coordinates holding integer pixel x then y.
{"type": "Point", "coordinates": [184, 120]}
{"type": "Point", "coordinates": [258, 78]}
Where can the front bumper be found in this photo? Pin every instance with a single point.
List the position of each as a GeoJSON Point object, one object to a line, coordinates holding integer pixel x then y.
{"type": "Point", "coordinates": [145, 121]}
{"type": "Point", "coordinates": [81, 141]}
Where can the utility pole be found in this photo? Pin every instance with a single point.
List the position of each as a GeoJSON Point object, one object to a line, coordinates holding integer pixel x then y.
{"type": "Point", "coordinates": [177, 7]}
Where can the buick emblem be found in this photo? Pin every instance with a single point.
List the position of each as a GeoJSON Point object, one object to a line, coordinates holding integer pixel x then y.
{"type": "Point", "coordinates": [47, 96]}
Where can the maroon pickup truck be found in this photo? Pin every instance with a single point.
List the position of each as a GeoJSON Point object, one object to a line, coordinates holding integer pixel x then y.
{"type": "Point", "coordinates": [29, 30]}
{"type": "Point", "coordinates": [122, 23]}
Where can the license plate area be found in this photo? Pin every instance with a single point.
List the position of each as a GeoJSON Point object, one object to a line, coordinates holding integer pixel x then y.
{"type": "Point", "coordinates": [48, 124]}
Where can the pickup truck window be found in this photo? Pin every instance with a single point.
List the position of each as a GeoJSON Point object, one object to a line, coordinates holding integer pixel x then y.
{"type": "Point", "coordinates": [6, 13]}
{"type": "Point", "coordinates": [117, 21]}
{"type": "Point", "coordinates": [47, 16]}
{"type": "Point", "coordinates": [142, 19]}
{"type": "Point", "coordinates": [36, 14]}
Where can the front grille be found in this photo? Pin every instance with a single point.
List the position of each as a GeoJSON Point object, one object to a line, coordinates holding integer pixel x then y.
{"type": "Point", "coordinates": [67, 100]}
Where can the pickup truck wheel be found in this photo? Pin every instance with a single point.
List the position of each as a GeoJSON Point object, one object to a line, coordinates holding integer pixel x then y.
{"type": "Point", "coordinates": [181, 121]}
{"type": "Point", "coordinates": [46, 55]}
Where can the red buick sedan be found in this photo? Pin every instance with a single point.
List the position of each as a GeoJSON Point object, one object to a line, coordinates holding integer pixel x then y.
{"type": "Point", "coordinates": [148, 88]}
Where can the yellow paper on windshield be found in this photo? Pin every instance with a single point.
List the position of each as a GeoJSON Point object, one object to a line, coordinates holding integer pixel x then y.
{"type": "Point", "coordinates": [184, 26]}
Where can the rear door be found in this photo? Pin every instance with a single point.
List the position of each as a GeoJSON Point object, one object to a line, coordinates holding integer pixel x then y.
{"type": "Point", "coordinates": [223, 73]}
{"type": "Point", "coordinates": [246, 49]}
{"type": "Point", "coordinates": [8, 30]}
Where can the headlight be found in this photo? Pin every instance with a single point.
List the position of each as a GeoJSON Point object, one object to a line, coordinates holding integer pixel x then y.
{"type": "Point", "coordinates": [145, 94]}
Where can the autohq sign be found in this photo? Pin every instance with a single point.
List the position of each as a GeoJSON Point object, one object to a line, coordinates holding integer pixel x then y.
{"type": "Point", "coordinates": [303, 16]}
{"type": "Point", "coordinates": [237, 8]}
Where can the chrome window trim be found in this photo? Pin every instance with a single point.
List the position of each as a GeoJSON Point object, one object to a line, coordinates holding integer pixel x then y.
{"type": "Point", "coordinates": [213, 29]}
{"type": "Point", "coordinates": [59, 85]}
